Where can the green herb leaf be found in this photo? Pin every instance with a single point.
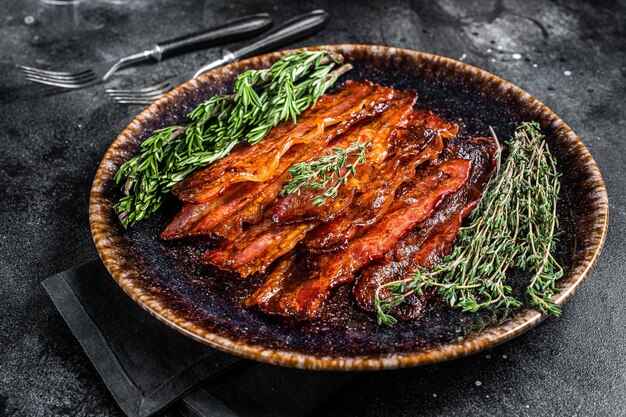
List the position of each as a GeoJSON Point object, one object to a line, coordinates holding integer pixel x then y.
{"type": "Point", "coordinates": [514, 225]}
{"type": "Point", "coordinates": [328, 169]}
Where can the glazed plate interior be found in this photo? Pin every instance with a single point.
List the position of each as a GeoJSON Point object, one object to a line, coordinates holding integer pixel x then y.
{"type": "Point", "coordinates": [169, 281]}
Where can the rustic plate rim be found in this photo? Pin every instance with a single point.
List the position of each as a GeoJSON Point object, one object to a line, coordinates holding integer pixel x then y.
{"type": "Point", "coordinates": [524, 320]}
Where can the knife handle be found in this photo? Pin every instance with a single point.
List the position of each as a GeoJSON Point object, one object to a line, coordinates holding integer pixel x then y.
{"type": "Point", "coordinates": [293, 30]}
{"type": "Point", "coordinates": [230, 31]}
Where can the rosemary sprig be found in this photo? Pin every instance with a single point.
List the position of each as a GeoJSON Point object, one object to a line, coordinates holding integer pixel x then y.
{"type": "Point", "coordinates": [513, 226]}
{"type": "Point", "coordinates": [261, 99]}
{"type": "Point", "coordinates": [327, 169]}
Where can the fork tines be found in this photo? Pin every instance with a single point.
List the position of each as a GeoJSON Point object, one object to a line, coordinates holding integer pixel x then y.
{"type": "Point", "coordinates": [62, 79]}
{"type": "Point", "coordinates": [141, 95]}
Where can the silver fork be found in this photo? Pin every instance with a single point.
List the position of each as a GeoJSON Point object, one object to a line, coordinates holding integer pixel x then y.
{"type": "Point", "coordinates": [228, 32]}
{"type": "Point", "coordinates": [152, 93]}
{"type": "Point", "coordinates": [294, 29]}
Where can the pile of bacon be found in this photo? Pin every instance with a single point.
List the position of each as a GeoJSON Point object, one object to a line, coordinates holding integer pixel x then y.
{"type": "Point", "coordinates": [401, 210]}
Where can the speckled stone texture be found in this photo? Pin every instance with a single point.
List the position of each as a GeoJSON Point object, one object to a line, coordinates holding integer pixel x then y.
{"type": "Point", "coordinates": [570, 54]}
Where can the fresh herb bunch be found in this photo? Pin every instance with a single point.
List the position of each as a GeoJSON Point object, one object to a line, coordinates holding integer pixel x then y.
{"type": "Point", "coordinates": [261, 99]}
{"type": "Point", "coordinates": [327, 169]}
{"type": "Point", "coordinates": [513, 226]}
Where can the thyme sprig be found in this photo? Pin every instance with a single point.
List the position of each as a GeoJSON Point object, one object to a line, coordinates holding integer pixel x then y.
{"type": "Point", "coordinates": [330, 168]}
{"type": "Point", "coordinates": [260, 100]}
{"type": "Point", "coordinates": [513, 226]}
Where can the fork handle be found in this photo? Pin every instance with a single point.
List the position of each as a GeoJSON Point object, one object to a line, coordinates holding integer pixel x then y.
{"type": "Point", "coordinates": [295, 29]}
{"type": "Point", "coordinates": [292, 30]}
{"type": "Point", "coordinates": [230, 31]}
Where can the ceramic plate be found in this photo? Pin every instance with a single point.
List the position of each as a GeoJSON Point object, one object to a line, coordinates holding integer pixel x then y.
{"type": "Point", "coordinates": [169, 281]}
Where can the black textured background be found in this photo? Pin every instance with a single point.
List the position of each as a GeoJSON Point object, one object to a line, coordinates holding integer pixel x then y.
{"type": "Point", "coordinates": [573, 58]}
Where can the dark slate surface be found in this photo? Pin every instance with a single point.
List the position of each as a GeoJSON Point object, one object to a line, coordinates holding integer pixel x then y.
{"type": "Point", "coordinates": [573, 58]}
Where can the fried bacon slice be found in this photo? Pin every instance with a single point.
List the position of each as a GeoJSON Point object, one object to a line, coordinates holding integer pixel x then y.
{"type": "Point", "coordinates": [258, 247]}
{"type": "Point", "coordinates": [252, 214]}
{"type": "Point", "coordinates": [379, 133]}
{"type": "Point", "coordinates": [196, 219]}
{"type": "Point", "coordinates": [332, 115]}
{"type": "Point", "coordinates": [416, 146]}
{"type": "Point", "coordinates": [224, 215]}
{"type": "Point", "coordinates": [422, 141]}
{"type": "Point", "coordinates": [427, 120]}
{"type": "Point", "coordinates": [305, 299]}
{"type": "Point", "coordinates": [255, 249]}
{"type": "Point", "coordinates": [432, 241]}
{"type": "Point", "coordinates": [283, 272]}
{"type": "Point", "coordinates": [423, 248]}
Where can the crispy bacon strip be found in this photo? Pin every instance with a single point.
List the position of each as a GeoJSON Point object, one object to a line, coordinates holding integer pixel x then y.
{"type": "Point", "coordinates": [433, 240]}
{"type": "Point", "coordinates": [305, 299]}
{"type": "Point", "coordinates": [422, 248]}
{"type": "Point", "coordinates": [418, 146]}
{"type": "Point", "coordinates": [252, 214]}
{"type": "Point", "coordinates": [220, 215]}
{"type": "Point", "coordinates": [255, 249]}
{"type": "Point", "coordinates": [379, 133]}
{"type": "Point", "coordinates": [283, 272]}
{"type": "Point", "coordinates": [201, 219]}
{"type": "Point", "coordinates": [427, 120]}
{"type": "Point", "coordinates": [261, 246]}
{"type": "Point", "coordinates": [335, 113]}
{"type": "Point", "coordinates": [425, 134]}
